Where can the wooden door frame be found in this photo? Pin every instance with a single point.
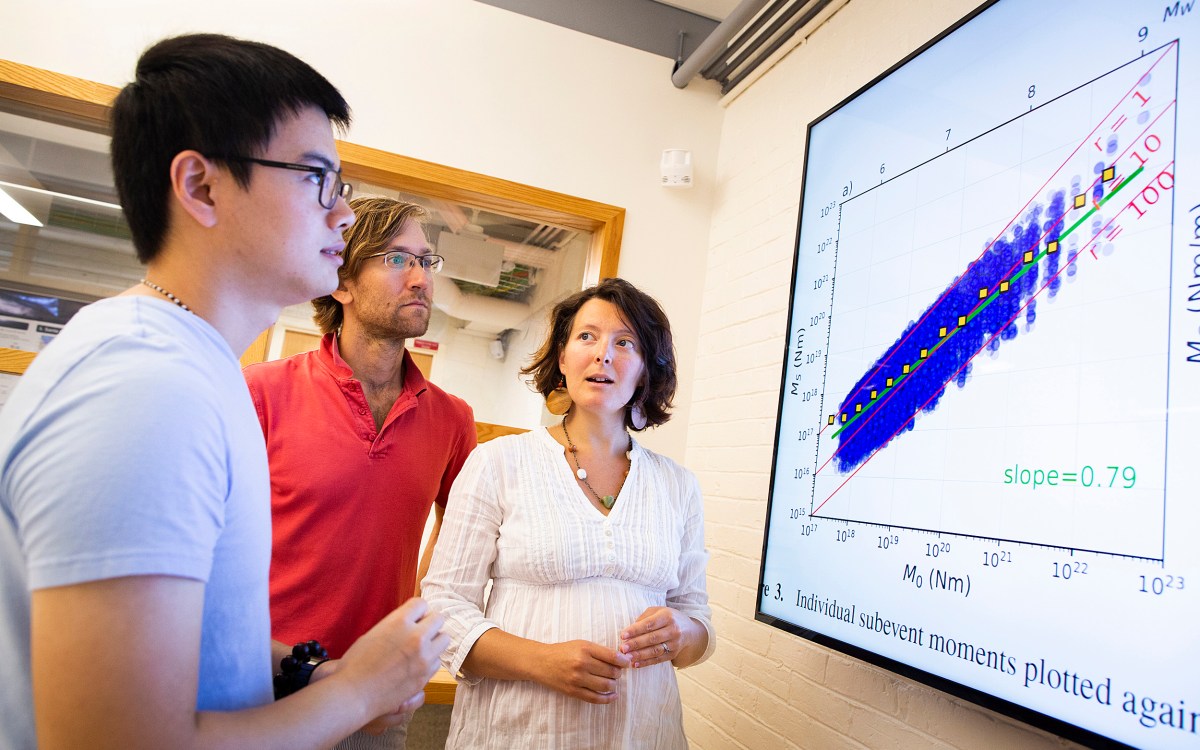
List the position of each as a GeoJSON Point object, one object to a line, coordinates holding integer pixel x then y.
{"type": "Point", "coordinates": [86, 104]}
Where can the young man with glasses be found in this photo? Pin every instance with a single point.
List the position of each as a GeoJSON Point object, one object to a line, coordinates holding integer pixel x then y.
{"type": "Point", "coordinates": [135, 526]}
{"type": "Point", "coordinates": [360, 443]}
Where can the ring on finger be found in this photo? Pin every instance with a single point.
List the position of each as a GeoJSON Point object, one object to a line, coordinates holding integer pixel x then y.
{"type": "Point", "coordinates": [666, 648]}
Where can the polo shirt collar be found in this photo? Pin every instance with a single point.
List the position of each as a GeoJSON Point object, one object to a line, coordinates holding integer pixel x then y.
{"type": "Point", "coordinates": [331, 358]}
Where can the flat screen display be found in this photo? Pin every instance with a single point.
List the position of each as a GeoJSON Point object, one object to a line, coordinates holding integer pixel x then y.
{"type": "Point", "coordinates": [986, 471]}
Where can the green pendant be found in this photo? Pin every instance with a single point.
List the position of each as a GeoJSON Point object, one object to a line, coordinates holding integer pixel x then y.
{"type": "Point", "coordinates": [608, 501]}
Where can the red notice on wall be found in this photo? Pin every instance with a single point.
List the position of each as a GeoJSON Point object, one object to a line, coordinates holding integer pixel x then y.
{"type": "Point", "coordinates": [425, 344]}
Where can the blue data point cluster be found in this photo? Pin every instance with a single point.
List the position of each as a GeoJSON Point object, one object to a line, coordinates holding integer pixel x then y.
{"type": "Point", "coordinates": [977, 311]}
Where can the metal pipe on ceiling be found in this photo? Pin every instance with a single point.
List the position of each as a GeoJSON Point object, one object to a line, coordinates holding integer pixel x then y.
{"type": "Point", "coordinates": [814, 9]}
{"type": "Point", "coordinates": [716, 41]}
{"type": "Point", "coordinates": [720, 64]}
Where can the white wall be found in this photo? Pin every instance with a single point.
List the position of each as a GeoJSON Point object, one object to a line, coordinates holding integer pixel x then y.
{"type": "Point", "coordinates": [765, 688]}
{"type": "Point", "coordinates": [464, 366]}
{"type": "Point", "coordinates": [468, 85]}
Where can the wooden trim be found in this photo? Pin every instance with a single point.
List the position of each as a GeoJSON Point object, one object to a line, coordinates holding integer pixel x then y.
{"type": "Point", "coordinates": [15, 361]}
{"type": "Point", "coordinates": [257, 351]}
{"type": "Point", "coordinates": [485, 431]}
{"type": "Point", "coordinates": [409, 175]}
{"type": "Point", "coordinates": [440, 688]}
{"type": "Point", "coordinates": [74, 100]}
{"type": "Point", "coordinates": [87, 104]}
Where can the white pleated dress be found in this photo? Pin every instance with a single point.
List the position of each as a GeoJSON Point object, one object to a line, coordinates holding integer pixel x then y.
{"type": "Point", "coordinates": [561, 570]}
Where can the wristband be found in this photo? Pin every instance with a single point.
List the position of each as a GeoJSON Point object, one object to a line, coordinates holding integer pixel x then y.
{"type": "Point", "coordinates": [297, 667]}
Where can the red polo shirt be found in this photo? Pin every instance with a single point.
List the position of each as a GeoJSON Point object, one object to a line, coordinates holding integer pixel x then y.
{"type": "Point", "coordinates": [349, 503]}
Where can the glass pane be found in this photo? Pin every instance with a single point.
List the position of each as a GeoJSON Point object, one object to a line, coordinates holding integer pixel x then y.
{"type": "Point", "coordinates": [63, 239]}
{"type": "Point", "coordinates": [64, 242]}
{"type": "Point", "coordinates": [502, 275]}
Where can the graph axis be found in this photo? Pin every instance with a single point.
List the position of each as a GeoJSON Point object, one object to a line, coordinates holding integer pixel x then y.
{"type": "Point", "coordinates": [821, 426]}
{"type": "Point", "coordinates": [985, 538]}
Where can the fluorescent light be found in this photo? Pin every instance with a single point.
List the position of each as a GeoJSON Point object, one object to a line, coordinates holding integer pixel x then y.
{"type": "Point", "coordinates": [14, 211]}
{"type": "Point", "coordinates": [90, 201]}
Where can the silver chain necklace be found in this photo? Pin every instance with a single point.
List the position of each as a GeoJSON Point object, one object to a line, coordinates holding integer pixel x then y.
{"type": "Point", "coordinates": [607, 500]}
{"type": "Point", "coordinates": [166, 294]}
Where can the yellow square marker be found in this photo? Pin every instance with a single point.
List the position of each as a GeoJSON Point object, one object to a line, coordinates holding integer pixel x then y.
{"type": "Point", "coordinates": [1052, 247]}
{"type": "Point", "coordinates": [858, 408]}
{"type": "Point", "coordinates": [843, 419]}
{"type": "Point", "coordinates": [906, 369]}
{"type": "Point", "coordinates": [1003, 286]}
{"type": "Point", "coordinates": [1108, 174]}
{"type": "Point", "coordinates": [831, 418]}
{"type": "Point", "coordinates": [890, 381]}
{"type": "Point", "coordinates": [874, 395]}
{"type": "Point", "coordinates": [1028, 256]}
{"type": "Point", "coordinates": [983, 293]}
{"type": "Point", "coordinates": [942, 332]}
{"type": "Point", "coordinates": [924, 353]}
{"type": "Point", "coordinates": [1081, 200]}
{"type": "Point", "coordinates": [962, 320]}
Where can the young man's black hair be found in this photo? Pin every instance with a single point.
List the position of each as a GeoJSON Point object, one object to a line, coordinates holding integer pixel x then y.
{"type": "Point", "coordinates": [208, 92]}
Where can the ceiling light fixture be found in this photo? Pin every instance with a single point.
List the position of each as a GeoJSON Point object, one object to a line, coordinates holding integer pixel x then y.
{"type": "Point", "coordinates": [14, 211]}
{"type": "Point", "coordinates": [68, 196]}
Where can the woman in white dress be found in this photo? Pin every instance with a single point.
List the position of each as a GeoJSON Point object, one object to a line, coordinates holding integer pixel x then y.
{"type": "Point", "coordinates": [593, 544]}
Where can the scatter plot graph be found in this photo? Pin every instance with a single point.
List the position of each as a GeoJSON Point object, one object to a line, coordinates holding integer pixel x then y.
{"type": "Point", "coordinates": [980, 347]}
{"type": "Point", "coordinates": [990, 394]}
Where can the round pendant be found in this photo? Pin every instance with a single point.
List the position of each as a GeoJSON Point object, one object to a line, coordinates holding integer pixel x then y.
{"type": "Point", "coordinates": [608, 501]}
{"type": "Point", "coordinates": [581, 474]}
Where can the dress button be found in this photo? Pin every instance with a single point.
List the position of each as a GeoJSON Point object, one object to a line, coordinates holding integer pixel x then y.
{"type": "Point", "coordinates": [608, 532]}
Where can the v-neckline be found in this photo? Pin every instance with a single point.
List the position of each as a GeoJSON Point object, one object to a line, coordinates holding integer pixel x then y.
{"type": "Point", "coordinates": [565, 465]}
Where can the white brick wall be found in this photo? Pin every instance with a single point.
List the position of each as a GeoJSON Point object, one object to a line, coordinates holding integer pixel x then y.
{"type": "Point", "coordinates": [765, 688]}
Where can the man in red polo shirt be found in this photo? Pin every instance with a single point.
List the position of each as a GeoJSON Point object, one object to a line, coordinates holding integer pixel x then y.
{"type": "Point", "coordinates": [360, 444]}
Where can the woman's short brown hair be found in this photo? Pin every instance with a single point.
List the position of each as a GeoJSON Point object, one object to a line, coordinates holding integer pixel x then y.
{"type": "Point", "coordinates": [377, 221]}
{"type": "Point", "coordinates": [642, 313]}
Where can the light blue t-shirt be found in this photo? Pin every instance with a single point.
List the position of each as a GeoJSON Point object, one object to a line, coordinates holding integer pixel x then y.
{"type": "Point", "coordinates": [131, 447]}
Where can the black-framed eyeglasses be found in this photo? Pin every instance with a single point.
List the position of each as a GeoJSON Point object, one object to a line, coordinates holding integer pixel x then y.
{"type": "Point", "coordinates": [329, 188]}
{"type": "Point", "coordinates": [398, 260]}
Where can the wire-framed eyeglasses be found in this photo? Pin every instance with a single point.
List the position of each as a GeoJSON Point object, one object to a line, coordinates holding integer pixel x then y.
{"type": "Point", "coordinates": [329, 187]}
{"type": "Point", "coordinates": [399, 260]}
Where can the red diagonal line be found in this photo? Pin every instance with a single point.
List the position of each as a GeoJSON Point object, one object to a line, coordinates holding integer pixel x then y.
{"type": "Point", "coordinates": [867, 420]}
{"type": "Point", "coordinates": [1027, 203]}
{"type": "Point", "coordinates": [871, 416]}
{"type": "Point", "coordinates": [862, 423]}
{"type": "Point", "coordinates": [967, 361]}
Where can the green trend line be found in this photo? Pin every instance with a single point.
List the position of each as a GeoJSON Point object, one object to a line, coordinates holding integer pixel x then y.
{"type": "Point", "coordinates": [1103, 200]}
{"type": "Point", "coordinates": [983, 305]}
